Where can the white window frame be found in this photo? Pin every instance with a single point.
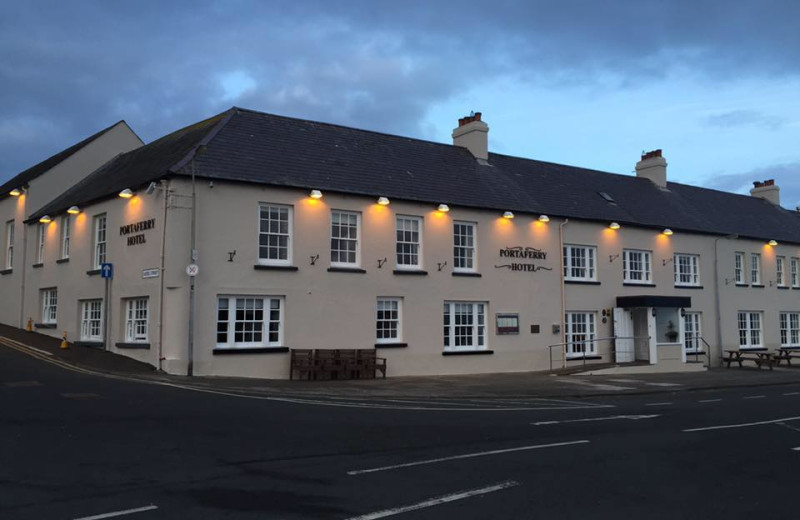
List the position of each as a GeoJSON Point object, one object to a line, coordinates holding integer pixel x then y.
{"type": "Point", "coordinates": [477, 333]}
{"type": "Point", "coordinates": [91, 320]}
{"type": "Point", "coordinates": [470, 251]}
{"type": "Point", "coordinates": [755, 268]}
{"type": "Point", "coordinates": [687, 270]}
{"type": "Point", "coordinates": [357, 239]}
{"type": "Point", "coordinates": [9, 260]}
{"type": "Point", "coordinates": [739, 268]}
{"type": "Point", "coordinates": [41, 233]}
{"type": "Point", "coordinates": [383, 334]}
{"type": "Point", "coordinates": [573, 320]}
{"type": "Point", "coordinates": [269, 234]}
{"type": "Point", "coordinates": [580, 259]}
{"type": "Point", "coordinates": [692, 332]}
{"type": "Point", "coordinates": [646, 272]}
{"type": "Point", "coordinates": [405, 247]}
{"type": "Point", "coordinates": [226, 321]}
{"type": "Point", "coordinates": [99, 240]}
{"type": "Point", "coordinates": [65, 232]}
{"type": "Point", "coordinates": [780, 271]}
{"type": "Point", "coordinates": [789, 325]}
{"type": "Point", "coordinates": [795, 272]}
{"type": "Point", "coordinates": [137, 320]}
{"type": "Point", "coordinates": [50, 306]}
{"type": "Point", "coordinates": [751, 334]}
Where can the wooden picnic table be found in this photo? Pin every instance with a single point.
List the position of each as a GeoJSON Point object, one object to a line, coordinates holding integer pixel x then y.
{"type": "Point", "coordinates": [786, 354]}
{"type": "Point", "coordinates": [759, 357]}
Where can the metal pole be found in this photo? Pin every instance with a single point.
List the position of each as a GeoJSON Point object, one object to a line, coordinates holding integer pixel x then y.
{"type": "Point", "coordinates": [106, 306]}
{"type": "Point", "coordinates": [193, 255]}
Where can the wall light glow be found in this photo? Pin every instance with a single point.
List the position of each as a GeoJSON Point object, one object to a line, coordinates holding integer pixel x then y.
{"type": "Point", "coordinates": [614, 225]}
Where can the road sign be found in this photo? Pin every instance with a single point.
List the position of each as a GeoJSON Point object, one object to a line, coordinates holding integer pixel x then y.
{"type": "Point", "coordinates": [107, 271]}
{"type": "Point", "coordinates": [151, 273]}
{"type": "Point", "coordinates": [192, 270]}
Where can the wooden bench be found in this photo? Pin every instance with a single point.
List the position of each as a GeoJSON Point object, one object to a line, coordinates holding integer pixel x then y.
{"type": "Point", "coordinates": [325, 364]}
{"type": "Point", "coordinates": [760, 358]}
{"type": "Point", "coordinates": [786, 354]}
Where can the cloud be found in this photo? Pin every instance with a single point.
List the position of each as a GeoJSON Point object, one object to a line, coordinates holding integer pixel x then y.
{"type": "Point", "coordinates": [787, 177]}
{"type": "Point", "coordinates": [736, 118]}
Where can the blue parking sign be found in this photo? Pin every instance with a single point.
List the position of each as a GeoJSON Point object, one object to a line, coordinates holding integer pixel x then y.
{"type": "Point", "coordinates": [107, 271]}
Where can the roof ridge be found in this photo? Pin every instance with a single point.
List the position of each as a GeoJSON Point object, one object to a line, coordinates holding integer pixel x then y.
{"type": "Point", "coordinates": [206, 139]}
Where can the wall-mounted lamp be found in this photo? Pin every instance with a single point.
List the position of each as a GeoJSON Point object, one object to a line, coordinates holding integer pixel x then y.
{"type": "Point", "coordinates": [667, 231]}
{"type": "Point", "coordinates": [74, 210]}
{"type": "Point", "coordinates": [683, 313]}
{"type": "Point", "coordinates": [126, 193]}
{"type": "Point", "coordinates": [544, 218]}
{"type": "Point", "coordinates": [614, 225]}
{"type": "Point", "coordinates": [315, 194]}
{"type": "Point", "coordinates": [45, 219]}
{"type": "Point", "coordinates": [444, 208]}
{"type": "Point", "coordinates": [773, 243]}
{"type": "Point", "coordinates": [653, 312]}
{"type": "Point", "coordinates": [383, 201]}
{"type": "Point", "coordinates": [508, 215]}
{"type": "Point", "coordinates": [16, 192]}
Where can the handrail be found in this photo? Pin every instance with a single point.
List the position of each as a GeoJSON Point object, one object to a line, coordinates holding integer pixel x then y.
{"type": "Point", "coordinates": [551, 347]}
{"type": "Point", "coordinates": [697, 354]}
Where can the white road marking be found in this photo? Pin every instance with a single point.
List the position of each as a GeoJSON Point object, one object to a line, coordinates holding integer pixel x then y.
{"type": "Point", "coordinates": [594, 419]}
{"type": "Point", "coordinates": [119, 513]}
{"type": "Point", "coordinates": [464, 456]}
{"type": "Point", "coordinates": [624, 380]}
{"type": "Point", "coordinates": [709, 400]}
{"type": "Point", "coordinates": [437, 501]}
{"type": "Point", "coordinates": [787, 426]}
{"type": "Point", "coordinates": [755, 397]}
{"type": "Point", "coordinates": [596, 386]}
{"type": "Point", "coordinates": [742, 425]}
{"type": "Point", "coordinates": [796, 449]}
{"type": "Point", "coordinates": [663, 384]}
{"type": "Point", "coordinates": [658, 404]}
{"type": "Point", "coordinates": [792, 393]}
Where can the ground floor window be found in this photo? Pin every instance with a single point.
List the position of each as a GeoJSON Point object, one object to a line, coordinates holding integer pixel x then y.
{"type": "Point", "coordinates": [692, 332]}
{"type": "Point", "coordinates": [464, 325]}
{"type": "Point", "coordinates": [137, 320]}
{"type": "Point", "coordinates": [92, 320]}
{"type": "Point", "coordinates": [249, 321]}
{"type": "Point", "coordinates": [790, 329]}
{"type": "Point", "coordinates": [388, 320]}
{"type": "Point", "coordinates": [580, 334]}
{"type": "Point", "coordinates": [49, 306]}
{"type": "Point", "coordinates": [750, 329]}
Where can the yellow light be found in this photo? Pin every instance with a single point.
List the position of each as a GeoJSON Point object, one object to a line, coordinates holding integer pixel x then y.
{"type": "Point", "coordinates": [126, 193]}
{"type": "Point", "coordinates": [614, 226]}
{"type": "Point", "coordinates": [544, 218]}
{"type": "Point", "coordinates": [73, 210]}
{"type": "Point", "coordinates": [383, 201]}
{"type": "Point", "coordinates": [15, 192]}
{"type": "Point", "coordinates": [773, 243]}
{"type": "Point", "coordinates": [315, 194]}
{"type": "Point", "coordinates": [667, 232]}
{"type": "Point", "coordinates": [508, 215]}
{"type": "Point", "coordinates": [45, 219]}
{"type": "Point", "coordinates": [444, 208]}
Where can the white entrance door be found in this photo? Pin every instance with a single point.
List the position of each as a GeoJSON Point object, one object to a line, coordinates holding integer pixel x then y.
{"type": "Point", "coordinates": [651, 332]}
{"type": "Point", "coordinates": [623, 328]}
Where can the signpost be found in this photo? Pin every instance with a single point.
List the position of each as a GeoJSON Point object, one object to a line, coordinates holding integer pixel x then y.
{"type": "Point", "coordinates": [106, 273]}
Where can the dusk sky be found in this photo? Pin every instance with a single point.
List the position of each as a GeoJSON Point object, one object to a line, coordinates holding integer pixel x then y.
{"type": "Point", "coordinates": [715, 84]}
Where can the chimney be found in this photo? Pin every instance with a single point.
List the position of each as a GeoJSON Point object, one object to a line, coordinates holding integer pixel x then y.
{"type": "Point", "coordinates": [767, 190]}
{"type": "Point", "coordinates": [473, 134]}
{"type": "Point", "coordinates": [653, 167]}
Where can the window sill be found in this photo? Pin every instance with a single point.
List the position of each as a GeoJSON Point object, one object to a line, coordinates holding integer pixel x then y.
{"type": "Point", "coordinates": [265, 267]}
{"type": "Point", "coordinates": [582, 282]}
{"type": "Point", "coordinates": [467, 274]}
{"type": "Point", "coordinates": [346, 270]}
{"type": "Point", "coordinates": [91, 344]}
{"type": "Point", "coordinates": [757, 285]}
{"type": "Point", "coordinates": [412, 272]}
{"type": "Point", "coordinates": [587, 358]}
{"type": "Point", "coordinates": [133, 345]}
{"type": "Point", "coordinates": [93, 272]}
{"type": "Point", "coordinates": [37, 266]}
{"type": "Point", "coordinates": [467, 352]}
{"type": "Point", "coordinates": [251, 350]}
{"type": "Point", "coordinates": [391, 345]}
{"type": "Point", "coordinates": [44, 325]}
{"type": "Point", "coordinates": [795, 288]}
{"type": "Point", "coordinates": [688, 286]}
{"type": "Point", "coordinates": [742, 285]}
{"type": "Point", "coordinates": [782, 287]}
{"type": "Point", "coordinates": [6, 271]}
{"type": "Point", "coordinates": [753, 349]}
{"type": "Point", "coordinates": [636, 284]}
{"type": "Point", "coordinates": [62, 260]}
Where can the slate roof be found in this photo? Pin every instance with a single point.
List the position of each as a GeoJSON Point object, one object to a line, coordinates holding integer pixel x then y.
{"type": "Point", "coordinates": [24, 178]}
{"type": "Point", "coordinates": [254, 147]}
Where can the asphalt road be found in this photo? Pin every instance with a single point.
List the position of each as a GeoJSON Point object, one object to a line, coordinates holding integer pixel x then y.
{"type": "Point", "coordinates": [78, 446]}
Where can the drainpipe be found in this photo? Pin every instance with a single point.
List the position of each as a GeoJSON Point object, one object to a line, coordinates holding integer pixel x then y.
{"type": "Point", "coordinates": [716, 294]}
{"type": "Point", "coordinates": [563, 293]}
{"type": "Point", "coordinates": [193, 259]}
{"type": "Point", "coordinates": [24, 259]}
{"type": "Point", "coordinates": [166, 192]}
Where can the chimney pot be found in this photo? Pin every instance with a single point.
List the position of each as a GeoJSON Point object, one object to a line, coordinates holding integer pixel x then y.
{"type": "Point", "coordinates": [767, 190]}
{"type": "Point", "coordinates": [653, 166]}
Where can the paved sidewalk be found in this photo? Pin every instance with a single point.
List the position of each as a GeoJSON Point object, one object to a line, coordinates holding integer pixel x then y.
{"type": "Point", "coordinates": [529, 384]}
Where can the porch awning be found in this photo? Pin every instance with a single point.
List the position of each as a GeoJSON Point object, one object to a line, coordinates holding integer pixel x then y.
{"type": "Point", "coordinates": [626, 302]}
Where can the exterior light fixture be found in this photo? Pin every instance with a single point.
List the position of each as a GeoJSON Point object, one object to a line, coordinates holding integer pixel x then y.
{"type": "Point", "coordinates": [126, 193]}
{"type": "Point", "coordinates": [45, 219]}
{"type": "Point", "coordinates": [16, 192]}
{"type": "Point", "coordinates": [667, 231]}
{"type": "Point", "coordinates": [74, 210]}
{"type": "Point", "coordinates": [383, 201]}
{"type": "Point", "coordinates": [444, 208]}
{"type": "Point", "coordinates": [614, 225]}
{"type": "Point", "coordinates": [773, 243]}
{"type": "Point", "coordinates": [315, 194]}
{"type": "Point", "coordinates": [544, 218]}
{"type": "Point", "coordinates": [508, 215]}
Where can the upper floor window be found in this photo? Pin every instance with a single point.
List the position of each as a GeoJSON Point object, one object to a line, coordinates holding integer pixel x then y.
{"type": "Point", "coordinates": [137, 320]}
{"type": "Point", "coordinates": [409, 242]}
{"type": "Point", "coordinates": [636, 266]}
{"type": "Point", "coordinates": [687, 269]}
{"type": "Point", "coordinates": [790, 329]}
{"type": "Point", "coordinates": [579, 263]}
{"type": "Point", "coordinates": [750, 329]}
{"type": "Point", "coordinates": [795, 272]}
{"type": "Point", "coordinates": [9, 261]}
{"type": "Point", "coordinates": [780, 271]}
{"type": "Point", "coordinates": [464, 246]}
{"type": "Point", "coordinates": [49, 306]}
{"type": "Point", "coordinates": [755, 269]}
{"type": "Point", "coordinates": [389, 320]}
{"type": "Point", "coordinates": [249, 321]}
{"type": "Point", "coordinates": [580, 329]}
{"type": "Point", "coordinates": [275, 235]}
{"type": "Point", "coordinates": [99, 241]}
{"type": "Point", "coordinates": [345, 232]}
{"type": "Point", "coordinates": [65, 235]}
{"type": "Point", "coordinates": [738, 269]}
{"type": "Point", "coordinates": [464, 325]}
{"type": "Point", "coordinates": [41, 233]}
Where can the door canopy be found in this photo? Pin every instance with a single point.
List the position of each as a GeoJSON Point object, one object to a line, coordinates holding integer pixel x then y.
{"type": "Point", "coordinates": [628, 302]}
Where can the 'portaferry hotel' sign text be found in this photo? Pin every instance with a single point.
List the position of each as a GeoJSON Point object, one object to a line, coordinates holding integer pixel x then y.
{"type": "Point", "coordinates": [523, 253]}
{"type": "Point", "coordinates": [137, 227]}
